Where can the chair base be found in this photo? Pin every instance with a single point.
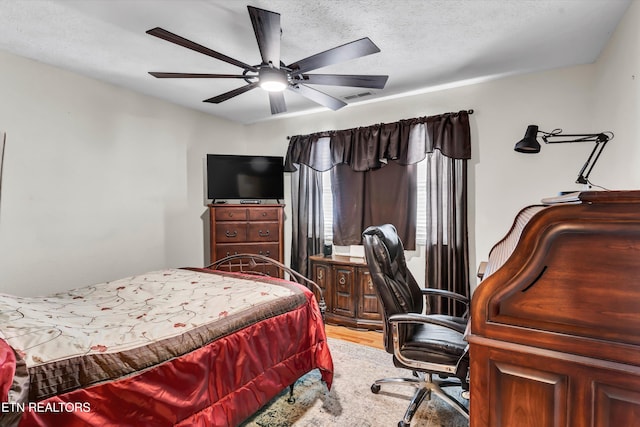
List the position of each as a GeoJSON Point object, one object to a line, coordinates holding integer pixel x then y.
{"type": "Point", "coordinates": [425, 385]}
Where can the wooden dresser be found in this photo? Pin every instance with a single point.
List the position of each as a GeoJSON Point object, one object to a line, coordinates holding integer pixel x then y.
{"type": "Point", "coordinates": [254, 229]}
{"type": "Point", "coordinates": [555, 323]}
{"type": "Point", "coordinates": [348, 291]}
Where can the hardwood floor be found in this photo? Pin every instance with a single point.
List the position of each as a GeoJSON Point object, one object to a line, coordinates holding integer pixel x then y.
{"type": "Point", "coordinates": [368, 338]}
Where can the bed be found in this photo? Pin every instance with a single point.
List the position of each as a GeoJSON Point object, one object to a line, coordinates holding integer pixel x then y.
{"type": "Point", "coordinates": [183, 347]}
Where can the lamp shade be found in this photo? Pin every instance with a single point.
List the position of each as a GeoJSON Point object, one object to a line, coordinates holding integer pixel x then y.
{"type": "Point", "coordinates": [529, 144]}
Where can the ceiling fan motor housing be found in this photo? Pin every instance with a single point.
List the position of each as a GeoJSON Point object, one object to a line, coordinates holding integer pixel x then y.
{"type": "Point", "coordinates": [272, 79]}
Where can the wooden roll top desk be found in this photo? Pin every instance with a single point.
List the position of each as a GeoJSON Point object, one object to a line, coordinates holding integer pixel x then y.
{"type": "Point", "coordinates": [555, 323]}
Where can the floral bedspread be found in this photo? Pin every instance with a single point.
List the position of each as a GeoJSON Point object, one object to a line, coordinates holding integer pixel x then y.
{"type": "Point", "coordinates": [126, 313]}
{"type": "Point", "coordinates": [113, 329]}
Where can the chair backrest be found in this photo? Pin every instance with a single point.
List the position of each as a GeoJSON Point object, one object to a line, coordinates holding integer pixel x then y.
{"type": "Point", "coordinates": [397, 290]}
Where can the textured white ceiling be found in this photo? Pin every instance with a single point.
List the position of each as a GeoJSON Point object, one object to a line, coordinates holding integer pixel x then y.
{"type": "Point", "coordinates": [424, 43]}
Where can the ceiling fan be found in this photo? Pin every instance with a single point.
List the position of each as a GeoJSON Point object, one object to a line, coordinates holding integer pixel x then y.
{"type": "Point", "coordinates": [274, 76]}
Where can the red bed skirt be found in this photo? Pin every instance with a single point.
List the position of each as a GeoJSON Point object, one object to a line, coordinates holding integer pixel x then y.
{"type": "Point", "coordinates": [220, 384]}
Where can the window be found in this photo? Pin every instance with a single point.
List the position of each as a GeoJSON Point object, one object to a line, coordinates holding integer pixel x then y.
{"type": "Point", "coordinates": [327, 206]}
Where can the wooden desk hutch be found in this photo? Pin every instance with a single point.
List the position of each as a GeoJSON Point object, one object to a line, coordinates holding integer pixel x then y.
{"type": "Point", "coordinates": [555, 323]}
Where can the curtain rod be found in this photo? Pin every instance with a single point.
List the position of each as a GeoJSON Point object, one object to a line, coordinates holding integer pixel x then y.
{"type": "Point", "coordinates": [469, 111]}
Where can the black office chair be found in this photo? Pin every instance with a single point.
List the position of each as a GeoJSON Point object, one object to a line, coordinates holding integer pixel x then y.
{"type": "Point", "coordinates": [431, 345]}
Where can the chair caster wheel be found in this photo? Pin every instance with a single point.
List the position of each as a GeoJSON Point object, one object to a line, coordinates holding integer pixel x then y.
{"type": "Point", "coordinates": [403, 424]}
{"type": "Point", "coordinates": [375, 388]}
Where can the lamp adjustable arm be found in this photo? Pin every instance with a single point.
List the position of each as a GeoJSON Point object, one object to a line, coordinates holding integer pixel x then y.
{"type": "Point", "coordinates": [530, 144]}
{"type": "Point", "coordinates": [601, 139]}
{"type": "Point", "coordinates": [591, 161]}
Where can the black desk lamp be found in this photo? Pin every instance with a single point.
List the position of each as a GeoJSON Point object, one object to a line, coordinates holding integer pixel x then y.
{"type": "Point", "coordinates": [529, 144]}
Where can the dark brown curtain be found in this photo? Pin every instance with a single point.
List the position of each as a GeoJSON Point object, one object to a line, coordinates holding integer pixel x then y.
{"type": "Point", "coordinates": [447, 247]}
{"type": "Point", "coordinates": [384, 195]}
{"type": "Point", "coordinates": [445, 140]}
{"type": "Point", "coordinates": [307, 222]}
{"type": "Point", "coordinates": [371, 147]}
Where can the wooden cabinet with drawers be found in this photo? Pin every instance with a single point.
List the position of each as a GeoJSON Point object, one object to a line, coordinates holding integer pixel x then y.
{"type": "Point", "coordinates": [253, 229]}
{"type": "Point", "coordinates": [349, 294]}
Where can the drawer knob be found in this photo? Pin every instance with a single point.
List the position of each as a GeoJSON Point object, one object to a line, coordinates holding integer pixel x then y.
{"type": "Point", "coordinates": [320, 275]}
{"type": "Point", "coordinates": [231, 234]}
{"type": "Point", "coordinates": [342, 280]}
{"type": "Point", "coordinates": [264, 214]}
{"type": "Point", "coordinates": [263, 233]}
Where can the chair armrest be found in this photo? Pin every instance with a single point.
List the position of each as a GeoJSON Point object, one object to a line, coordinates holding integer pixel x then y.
{"type": "Point", "coordinates": [425, 319]}
{"type": "Point", "coordinates": [445, 294]}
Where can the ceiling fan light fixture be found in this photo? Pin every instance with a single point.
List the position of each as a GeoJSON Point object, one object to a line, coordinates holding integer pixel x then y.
{"type": "Point", "coordinates": [272, 79]}
{"type": "Point", "coordinates": [275, 76]}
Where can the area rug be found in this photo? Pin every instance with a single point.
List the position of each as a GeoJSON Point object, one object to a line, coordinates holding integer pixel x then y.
{"type": "Point", "coordinates": [350, 401]}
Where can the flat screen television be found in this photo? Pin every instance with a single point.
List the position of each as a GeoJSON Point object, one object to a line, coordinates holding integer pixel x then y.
{"type": "Point", "coordinates": [245, 177]}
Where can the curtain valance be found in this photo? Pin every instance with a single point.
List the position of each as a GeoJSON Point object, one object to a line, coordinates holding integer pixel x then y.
{"type": "Point", "coordinates": [365, 148]}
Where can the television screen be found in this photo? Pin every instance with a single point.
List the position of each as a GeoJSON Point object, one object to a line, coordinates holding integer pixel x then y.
{"type": "Point", "coordinates": [244, 177]}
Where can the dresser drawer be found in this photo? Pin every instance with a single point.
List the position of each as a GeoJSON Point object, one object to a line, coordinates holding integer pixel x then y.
{"type": "Point", "coordinates": [231, 214]}
{"type": "Point", "coordinates": [270, 250]}
{"type": "Point", "coordinates": [264, 214]}
{"type": "Point", "coordinates": [229, 231]}
{"type": "Point", "coordinates": [263, 232]}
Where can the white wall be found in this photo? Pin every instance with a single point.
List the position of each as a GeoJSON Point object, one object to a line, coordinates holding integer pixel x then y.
{"type": "Point", "coordinates": [98, 182]}
{"type": "Point", "coordinates": [617, 104]}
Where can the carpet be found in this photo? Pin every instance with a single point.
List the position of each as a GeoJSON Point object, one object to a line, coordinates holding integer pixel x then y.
{"type": "Point", "coordinates": [350, 401]}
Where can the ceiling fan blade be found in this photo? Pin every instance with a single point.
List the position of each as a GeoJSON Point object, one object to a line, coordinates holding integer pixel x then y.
{"type": "Point", "coordinates": [198, 76]}
{"type": "Point", "coordinates": [276, 100]}
{"type": "Point", "coordinates": [352, 50]}
{"type": "Point", "coordinates": [266, 26]}
{"type": "Point", "coordinates": [228, 95]}
{"type": "Point", "coordinates": [317, 96]}
{"type": "Point", "coordinates": [181, 41]}
{"type": "Point", "coordinates": [374, 82]}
